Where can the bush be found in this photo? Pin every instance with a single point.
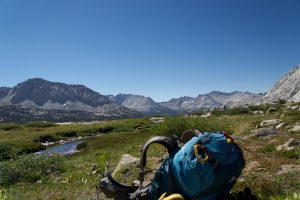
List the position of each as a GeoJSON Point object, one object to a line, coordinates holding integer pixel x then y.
{"type": "Point", "coordinates": [46, 138]}
{"type": "Point", "coordinates": [81, 145]}
{"type": "Point", "coordinates": [106, 129]}
{"type": "Point", "coordinates": [9, 126]}
{"type": "Point", "coordinates": [177, 125]}
{"type": "Point", "coordinates": [29, 168]}
{"type": "Point", "coordinates": [7, 152]}
{"type": "Point", "coordinates": [68, 134]}
{"type": "Point", "coordinates": [40, 124]}
{"type": "Point", "coordinates": [232, 111]}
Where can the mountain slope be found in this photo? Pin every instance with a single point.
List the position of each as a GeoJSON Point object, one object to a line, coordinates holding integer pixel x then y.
{"type": "Point", "coordinates": [211, 100]}
{"type": "Point", "coordinates": [141, 104]}
{"type": "Point", "coordinates": [44, 94]}
{"type": "Point", "coordinates": [287, 88]}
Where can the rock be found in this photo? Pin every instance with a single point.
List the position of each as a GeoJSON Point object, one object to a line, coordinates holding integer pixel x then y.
{"type": "Point", "coordinates": [271, 110]}
{"type": "Point", "coordinates": [141, 127]}
{"type": "Point", "coordinates": [258, 112]}
{"type": "Point", "coordinates": [279, 126]}
{"type": "Point", "coordinates": [294, 107]}
{"type": "Point", "coordinates": [265, 132]}
{"type": "Point", "coordinates": [270, 122]}
{"type": "Point", "coordinates": [206, 115]}
{"type": "Point", "coordinates": [251, 166]}
{"type": "Point", "coordinates": [295, 129]}
{"type": "Point", "coordinates": [125, 161]}
{"type": "Point", "coordinates": [157, 119]}
{"type": "Point", "coordinates": [288, 168]}
{"type": "Point", "coordinates": [289, 145]}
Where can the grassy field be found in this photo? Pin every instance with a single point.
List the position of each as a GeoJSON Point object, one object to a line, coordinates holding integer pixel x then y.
{"type": "Point", "coordinates": [76, 176]}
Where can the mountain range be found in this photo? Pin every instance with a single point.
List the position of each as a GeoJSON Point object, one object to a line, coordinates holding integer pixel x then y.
{"type": "Point", "coordinates": [45, 97]}
{"type": "Point", "coordinates": [42, 94]}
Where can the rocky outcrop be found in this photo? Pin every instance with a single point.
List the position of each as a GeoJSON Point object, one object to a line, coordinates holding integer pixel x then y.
{"type": "Point", "coordinates": [287, 88]}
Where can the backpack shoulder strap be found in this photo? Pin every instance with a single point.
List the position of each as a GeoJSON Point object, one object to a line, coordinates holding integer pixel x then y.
{"type": "Point", "coordinates": [169, 143]}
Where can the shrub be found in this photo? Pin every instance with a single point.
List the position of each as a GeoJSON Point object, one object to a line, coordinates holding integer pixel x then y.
{"type": "Point", "coordinates": [40, 124]}
{"type": "Point", "coordinates": [69, 133]}
{"type": "Point", "coordinates": [9, 126]}
{"type": "Point", "coordinates": [177, 125]}
{"type": "Point", "coordinates": [7, 152]}
{"type": "Point", "coordinates": [232, 111]}
{"type": "Point", "coordinates": [29, 168]}
{"type": "Point", "coordinates": [106, 129]}
{"type": "Point", "coordinates": [45, 138]}
{"type": "Point", "coordinates": [81, 145]}
{"type": "Point", "coordinates": [281, 101]}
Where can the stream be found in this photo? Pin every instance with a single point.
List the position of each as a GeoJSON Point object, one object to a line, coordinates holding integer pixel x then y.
{"type": "Point", "coordinates": [63, 149]}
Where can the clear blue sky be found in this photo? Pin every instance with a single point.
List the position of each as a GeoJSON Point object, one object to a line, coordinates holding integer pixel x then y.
{"type": "Point", "coordinates": [157, 48]}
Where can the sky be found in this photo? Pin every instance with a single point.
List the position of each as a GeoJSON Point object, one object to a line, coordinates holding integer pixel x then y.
{"type": "Point", "coordinates": [158, 48]}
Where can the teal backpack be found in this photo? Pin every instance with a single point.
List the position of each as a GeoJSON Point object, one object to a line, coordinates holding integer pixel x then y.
{"type": "Point", "coordinates": [199, 166]}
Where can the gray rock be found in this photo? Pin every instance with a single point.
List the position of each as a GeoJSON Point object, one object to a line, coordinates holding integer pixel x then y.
{"type": "Point", "coordinates": [270, 122]}
{"type": "Point", "coordinates": [126, 160]}
{"type": "Point", "coordinates": [294, 107]}
{"type": "Point", "coordinates": [289, 145]}
{"type": "Point", "coordinates": [258, 112]}
{"type": "Point", "coordinates": [206, 115]}
{"type": "Point", "coordinates": [279, 126]}
{"type": "Point", "coordinates": [295, 129]}
{"type": "Point", "coordinates": [288, 168]}
{"type": "Point", "coordinates": [271, 110]}
{"type": "Point", "coordinates": [265, 132]}
{"type": "Point", "coordinates": [157, 119]}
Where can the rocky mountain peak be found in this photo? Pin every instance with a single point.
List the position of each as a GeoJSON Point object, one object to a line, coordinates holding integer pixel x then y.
{"type": "Point", "coordinates": [287, 88]}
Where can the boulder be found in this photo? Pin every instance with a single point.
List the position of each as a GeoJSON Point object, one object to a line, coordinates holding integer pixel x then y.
{"type": "Point", "coordinates": [289, 145]}
{"type": "Point", "coordinates": [288, 168]}
{"type": "Point", "coordinates": [157, 119]}
{"type": "Point", "coordinates": [265, 132]}
{"type": "Point", "coordinates": [279, 126]}
{"type": "Point", "coordinates": [126, 160]}
{"type": "Point", "coordinates": [294, 107]}
{"type": "Point", "coordinates": [270, 122]}
{"type": "Point", "coordinates": [258, 112]}
{"type": "Point", "coordinates": [206, 115]}
{"type": "Point", "coordinates": [295, 129]}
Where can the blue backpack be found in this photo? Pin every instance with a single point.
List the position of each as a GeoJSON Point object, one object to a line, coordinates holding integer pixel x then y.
{"type": "Point", "coordinates": [199, 166]}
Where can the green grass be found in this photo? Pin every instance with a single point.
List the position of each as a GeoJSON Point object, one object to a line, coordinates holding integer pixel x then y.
{"type": "Point", "coordinates": [83, 170]}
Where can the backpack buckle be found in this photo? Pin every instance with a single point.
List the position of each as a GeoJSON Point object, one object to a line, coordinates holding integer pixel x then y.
{"type": "Point", "coordinates": [197, 147]}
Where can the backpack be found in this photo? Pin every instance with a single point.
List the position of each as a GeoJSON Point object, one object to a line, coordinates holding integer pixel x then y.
{"type": "Point", "coordinates": [199, 166]}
